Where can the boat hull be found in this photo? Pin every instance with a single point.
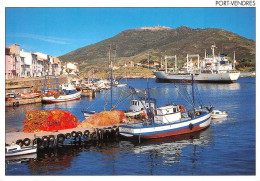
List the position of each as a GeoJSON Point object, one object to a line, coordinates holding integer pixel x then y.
{"type": "Point", "coordinates": [219, 116]}
{"type": "Point", "coordinates": [198, 78]}
{"type": "Point", "coordinates": [165, 130]}
{"type": "Point", "coordinates": [24, 151]}
{"type": "Point", "coordinates": [62, 98]}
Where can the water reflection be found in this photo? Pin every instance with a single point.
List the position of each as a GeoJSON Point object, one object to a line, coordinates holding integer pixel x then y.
{"type": "Point", "coordinates": [169, 150]}
{"type": "Point", "coordinates": [233, 86]}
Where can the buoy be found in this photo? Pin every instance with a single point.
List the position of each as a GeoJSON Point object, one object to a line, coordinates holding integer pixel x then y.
{"type": "Point", "coordinates": [26, 141]}
{"type": "Point", "coordinates": [19, 142]}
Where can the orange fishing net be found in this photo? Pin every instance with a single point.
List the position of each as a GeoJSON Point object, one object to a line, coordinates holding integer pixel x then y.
{"type": "Point", "coordinates": [106, 118]}
{"type": "Point", "coordinates": [49, 120]}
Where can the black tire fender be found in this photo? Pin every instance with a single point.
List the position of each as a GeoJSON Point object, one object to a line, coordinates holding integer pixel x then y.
{"type": "Point", "coordinates": [37, 141]}
{"type": "Point", "coordinates": [67, 135]}
{"type": "Point", "coordinates": [191, 126]}
{"type": "Point", "coordinates": [86, 133]}
{"type": "Point", "coordinates": [60, 138]}
{"type": "Point", "coordinates": [52, 138]}
{"type": "Point", "coordinates": [74, 134]}
{"type": "Point", "coordinates": [45, 139]}
{"type": "Point", "coordinates": [19, 142]}
{"type": "Point", "coordinates": [79, 133]}
{"type": "Point", "coordinates": [26, 141]}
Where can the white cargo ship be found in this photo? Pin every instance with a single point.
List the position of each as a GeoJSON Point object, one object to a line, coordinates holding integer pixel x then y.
{"type": "Point", "coordinates": [215, 69]}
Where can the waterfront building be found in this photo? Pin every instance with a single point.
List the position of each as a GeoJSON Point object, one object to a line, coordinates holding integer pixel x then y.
{"type": "Point", "coordinates": [70, 68]}
{"type": "Point", "coordinates": [45, 62]}
{"type": "Point", "coordinates": [9, 63]}
{"type": "Point", "coordinates": [26, 62]}
{"type": "Point", "coordinates": [21, 64]}
{"type": "Point", "coordinates": [16, 64]}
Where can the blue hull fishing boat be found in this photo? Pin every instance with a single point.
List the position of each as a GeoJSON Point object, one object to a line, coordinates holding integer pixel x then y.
{"type": "Point", "coordinates": [169, 120]}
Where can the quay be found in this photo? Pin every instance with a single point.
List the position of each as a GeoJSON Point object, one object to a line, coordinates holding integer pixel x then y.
{"type": "Point", "coordinates": [17, 102]}
{"type": "Point", "coordinates": [44, 139]}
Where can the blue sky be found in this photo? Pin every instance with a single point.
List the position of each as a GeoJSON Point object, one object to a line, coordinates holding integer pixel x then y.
{"type": "Point", "coordinates": [57, 31]}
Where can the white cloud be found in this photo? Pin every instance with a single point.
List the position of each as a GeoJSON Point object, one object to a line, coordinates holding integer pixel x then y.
{"type": "Point", "coordinates": [49, 39]}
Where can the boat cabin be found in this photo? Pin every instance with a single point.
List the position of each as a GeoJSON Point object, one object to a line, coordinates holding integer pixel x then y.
{"type": "Point", "coordinates": [68, 89]}
{"type": "Point", "coordinates": [139, 105]}
{"type": "Point", "coordinates": [167, 114]}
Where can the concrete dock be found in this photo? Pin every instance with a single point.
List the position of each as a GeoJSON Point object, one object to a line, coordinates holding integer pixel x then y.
{"type": "Point", "coordinates": [54, 137]}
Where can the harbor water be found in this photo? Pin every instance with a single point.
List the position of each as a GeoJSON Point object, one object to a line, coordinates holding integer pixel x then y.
{"type": "Point", "coordinates": [227, 147]}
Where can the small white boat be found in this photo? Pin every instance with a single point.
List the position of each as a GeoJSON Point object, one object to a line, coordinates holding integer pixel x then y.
{"type": "Point", "coordinates": [121, 85]}
{"type": "Point", "coordinates": [87, 114]}
{"type": "Point", "coordinates": [217, 114]}
{"type": "Point", "coordinates": [16, 150]}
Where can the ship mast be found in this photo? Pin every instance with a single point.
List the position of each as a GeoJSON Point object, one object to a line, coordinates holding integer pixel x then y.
{"type": "Point", "coordinates": [234, 60]}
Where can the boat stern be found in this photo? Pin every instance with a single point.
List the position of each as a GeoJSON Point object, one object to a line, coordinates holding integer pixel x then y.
{"type": "Point", "coordinates": [234, 76]}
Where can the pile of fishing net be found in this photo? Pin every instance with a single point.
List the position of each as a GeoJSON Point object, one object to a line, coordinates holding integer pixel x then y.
{"type": "Point", "coordinates": [106, 118]}
{"type": "Point", "coordinates": [52, 120]}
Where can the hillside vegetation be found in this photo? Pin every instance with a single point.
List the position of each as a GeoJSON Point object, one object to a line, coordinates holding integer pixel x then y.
{"type": "Point", "coordinates": [135, 45]}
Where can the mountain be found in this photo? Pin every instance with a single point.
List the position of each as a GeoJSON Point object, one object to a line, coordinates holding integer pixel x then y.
{"type": "Point", "coordinates": [135, 44]}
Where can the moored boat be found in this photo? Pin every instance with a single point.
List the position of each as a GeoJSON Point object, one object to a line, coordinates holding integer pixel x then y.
{"type": "Point", "coordinates": [217, 114]}
{"type": "Point", "coordinates": [16, 150]}
{"type": "Point", "coordinates": [68, 93]}
{"type": "Point", "coordinates": [30, 95]}
{"type": "Point", "coordinates": [169, 120]}
{"type": "Point", "coordinates": [215, 69]}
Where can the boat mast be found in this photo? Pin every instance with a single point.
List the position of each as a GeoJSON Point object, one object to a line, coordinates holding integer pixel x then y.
{"type": "Point", "coordinates": [192, 85]}
{"type": "Point", "coordinates": [166, 64]}
{"type": "Point", "coordinates": [111, 77]}
{"type": "Point", "coordinates": [234, 61]}
{"type": "Point", "coordinates": [175, 63]}
{"type": "Point", "coordinates": [149, 112]}
{"type": "Point", "coordinates": [187, 62]}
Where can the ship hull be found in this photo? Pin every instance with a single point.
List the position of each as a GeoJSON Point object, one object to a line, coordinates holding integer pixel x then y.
{"type": "Point", "coordinates": [198, 78]}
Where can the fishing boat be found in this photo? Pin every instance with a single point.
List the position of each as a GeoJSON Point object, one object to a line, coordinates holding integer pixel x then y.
{"type": "Point", "coordinates": [215, 69]}
{"type": "Point", "coordinates": [217, 114]}
{"type": "Point", "coordinates": [169, 120]}
{"type": "Point", "coordinates": [68, 93]}
{"type": "Point", "coordinates": [17, 150]}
